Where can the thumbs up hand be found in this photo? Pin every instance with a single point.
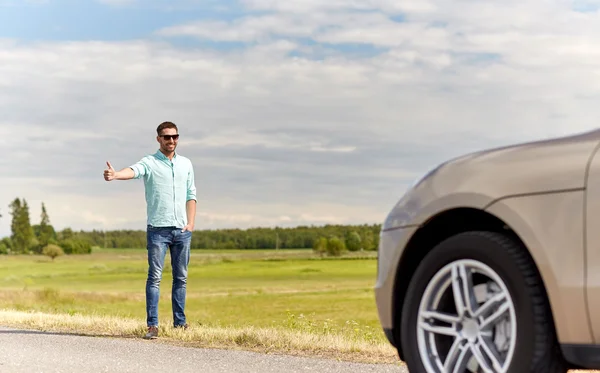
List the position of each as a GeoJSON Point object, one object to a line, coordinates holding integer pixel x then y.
{"type": "Point", "coordinates": [109, 172]}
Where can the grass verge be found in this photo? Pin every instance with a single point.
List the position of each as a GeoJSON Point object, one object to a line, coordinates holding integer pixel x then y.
{"type": "Point", "coordinates": [296, 342]}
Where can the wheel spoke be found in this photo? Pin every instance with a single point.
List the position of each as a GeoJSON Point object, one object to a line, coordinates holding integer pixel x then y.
{"type": "Point", "coordinates": [430, 317]}
{"type": "Point", "coordinates": [490, 321]}
{"type": "Point", "coordinates": [489, 351]}
{"type": "Point", "coordinates": [457, 357]}
{"type": "Point", "coordinates": [462, 286]}
{"type": "Point", "coordinates": [463, 360]}
{"type": "Point", "coordinates": [440, 316]}
{"type": "Point", "coordinates": [483, 364]}
{"type": "Point", "coordinates": [443, 330]}
{"type": "Point", "coordinates": [489, 304]}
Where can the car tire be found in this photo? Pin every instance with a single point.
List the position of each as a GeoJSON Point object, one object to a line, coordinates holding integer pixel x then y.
{"type": "Point", "coordinates": [512, 275]}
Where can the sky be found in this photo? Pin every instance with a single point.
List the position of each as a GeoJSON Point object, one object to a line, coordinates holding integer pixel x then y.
{"type": "Point", "coordinates": [293, 112]}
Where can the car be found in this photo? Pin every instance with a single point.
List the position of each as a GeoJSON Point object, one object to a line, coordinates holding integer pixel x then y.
{"type": "Point", "coordinates": [491, 261]}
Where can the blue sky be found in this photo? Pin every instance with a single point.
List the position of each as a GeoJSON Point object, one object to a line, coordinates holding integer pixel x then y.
{"type": "Point", "coordinates": [293, 112]}
{"type": "Point", "coordinates": [61, 20]}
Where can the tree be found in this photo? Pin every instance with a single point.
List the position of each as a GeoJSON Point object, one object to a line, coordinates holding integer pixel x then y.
{"type": "Point", "coordinates": [368, 241]}
{"type": "Point", "coordinates": [335, 246]}
{"type": "Point", "coordinates": [66, 234]}
{"type": "Point", "coordinates": [353, 241]}
{"type": "Point", "coordinates": [26, 225]}
{"type": "Point", "coordinates": [46, 231]}
{"type": "Point", "coordinates": [22, 232]}
{"type": "Point", "coordinates": [320, 246]}
{"type": "Point", "coordinates": [375, 242]}
{"type": "Point", "coordinates": [15, 211]}
{"type": "Point", "coordinates": [76, 246]}
{"type": "Point", "coordinates": [7, 244]}
{"type": "Point", "coordinates": [52, 251]}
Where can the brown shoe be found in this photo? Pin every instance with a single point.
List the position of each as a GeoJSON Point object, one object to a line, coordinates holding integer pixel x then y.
{"type": "Point", "coordinates": [184, 326]}
{"type": "Point", "coordinates": [152, 332]}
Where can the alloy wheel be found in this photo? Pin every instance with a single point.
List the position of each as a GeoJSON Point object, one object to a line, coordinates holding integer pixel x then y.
{"type": "Point", "coordinates": [466, 320]}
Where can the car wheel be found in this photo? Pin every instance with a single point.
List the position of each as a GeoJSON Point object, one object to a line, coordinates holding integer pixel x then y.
{"type": "Point", "coordinates": [476, 304]}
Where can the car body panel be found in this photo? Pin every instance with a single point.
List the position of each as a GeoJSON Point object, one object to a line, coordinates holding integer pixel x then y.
{"type": "Point", "coordinates": [551, 226]}
{"type": "Point", "coordinates": [592, 236]}
{"type": "Point", "coordinates": [536, 188]}
{"type": "Point", "coordinates": [391, 244]}
{"type": "Point", "coordinates": [478, 179]}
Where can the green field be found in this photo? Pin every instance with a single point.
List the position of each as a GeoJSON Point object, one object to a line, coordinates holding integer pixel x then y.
{"type": "Point", "coordinates": [283, 289]}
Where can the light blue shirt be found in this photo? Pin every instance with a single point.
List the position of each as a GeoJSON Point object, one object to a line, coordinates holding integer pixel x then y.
{"type": "Point", "coordinates": [169, 185]}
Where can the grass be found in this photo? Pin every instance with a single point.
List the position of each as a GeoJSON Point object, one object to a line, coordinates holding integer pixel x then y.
{"type": "Point", "coordinates": [300, 340]}
{"type": "Point", "coordinates": [287, 301]}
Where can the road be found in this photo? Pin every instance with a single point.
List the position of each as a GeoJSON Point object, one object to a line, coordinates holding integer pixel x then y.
{"type": "Point", "coordinates": [28, 351]}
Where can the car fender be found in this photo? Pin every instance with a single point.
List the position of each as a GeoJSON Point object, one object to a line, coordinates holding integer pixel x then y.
{"type": "Point", "coordinates": [551, 227]}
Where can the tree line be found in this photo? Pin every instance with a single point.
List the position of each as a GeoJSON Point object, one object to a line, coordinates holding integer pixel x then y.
{"type": "Point", "coordinates": [41, 238]}
{"type": "Point", "coordinates": [328, 239]}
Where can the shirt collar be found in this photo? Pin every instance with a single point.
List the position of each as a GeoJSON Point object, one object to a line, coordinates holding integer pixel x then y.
{"type": "Point", "coordinates": [160, 155]}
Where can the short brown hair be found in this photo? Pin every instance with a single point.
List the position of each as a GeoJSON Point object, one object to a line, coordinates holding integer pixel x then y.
{"type": "Point", "coordinates": [164, 125]}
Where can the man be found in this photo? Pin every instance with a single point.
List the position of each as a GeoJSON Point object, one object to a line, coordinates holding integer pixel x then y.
{"type": "Point", "coordinates": [171, 209]}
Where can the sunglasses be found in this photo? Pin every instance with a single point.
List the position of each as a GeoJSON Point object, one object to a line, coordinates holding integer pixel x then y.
{"type": "Point", "coordinates": [169, 137]}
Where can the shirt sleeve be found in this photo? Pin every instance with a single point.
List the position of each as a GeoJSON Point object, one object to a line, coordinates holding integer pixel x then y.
{"type": "Point", "coordinates": [191, 185]}
{"type": "Point", "coordinates": [140, 168]}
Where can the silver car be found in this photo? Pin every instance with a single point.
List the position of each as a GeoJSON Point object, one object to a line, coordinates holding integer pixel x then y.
{"type": "Point", "coordinates": [491, 262]}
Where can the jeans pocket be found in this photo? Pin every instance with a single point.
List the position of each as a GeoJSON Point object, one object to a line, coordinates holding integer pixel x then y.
{"type": "Point", "coordinates": [187, 235]}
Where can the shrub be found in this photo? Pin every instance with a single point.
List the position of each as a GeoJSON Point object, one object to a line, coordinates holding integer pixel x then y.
{"type": "Point", "coordinates": [320, 246]}
{"type": "Point", "coordinates": [52, 251]}
{"type": "Point", "coordinates": [353, 241]}
{"type": "Point", "coordinates": [335, 246]}
{"type": "Point", "coordinates": [76, 246]}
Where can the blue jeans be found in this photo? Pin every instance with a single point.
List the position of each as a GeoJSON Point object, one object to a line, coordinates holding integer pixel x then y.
{"type": "Point", "coordinates": [159, 239]}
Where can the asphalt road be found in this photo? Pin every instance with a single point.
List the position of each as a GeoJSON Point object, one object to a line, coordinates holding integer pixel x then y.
{"type": "Point", "coordinates": [33, 351]}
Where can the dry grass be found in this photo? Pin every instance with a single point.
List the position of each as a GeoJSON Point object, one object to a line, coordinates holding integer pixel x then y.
{"type": "Point", "coordinates": [265, 340]}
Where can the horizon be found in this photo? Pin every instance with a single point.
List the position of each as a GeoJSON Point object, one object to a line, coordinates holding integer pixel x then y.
{"type": "Point", "coordinates": [293, 113]}
{"type": "Point", "coordinates": [249, 228]}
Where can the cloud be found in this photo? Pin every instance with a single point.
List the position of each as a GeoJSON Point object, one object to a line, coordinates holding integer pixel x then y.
{"type": "Point", "coordinates": [16, 3]}
{"type": "Point", "coordinates": [325, 112]}
{"type": "Point", "coordinates": [270, 26]}
{"type": "Point", "coordinates": [310, 6]}
{"type": "Point", "coordinates": [117, 2]}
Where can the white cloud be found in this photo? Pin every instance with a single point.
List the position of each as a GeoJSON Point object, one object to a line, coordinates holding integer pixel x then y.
{"type": "Point", "coordinates": [117, 2]}
{"type": "Point", "coordinates": [280, 141]}
{"type": "Point", "coordinates": [15, 3]}
{"type": "Point", "coordinates": [247, 29]}
{"type": "Point", "coordinates": [286, 132]}
{"type": "Point", "coordinates": [310, 6]}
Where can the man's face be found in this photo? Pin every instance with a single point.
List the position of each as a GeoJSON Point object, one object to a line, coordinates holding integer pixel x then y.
{"type": "Point", "coordinates": [166, 140]}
